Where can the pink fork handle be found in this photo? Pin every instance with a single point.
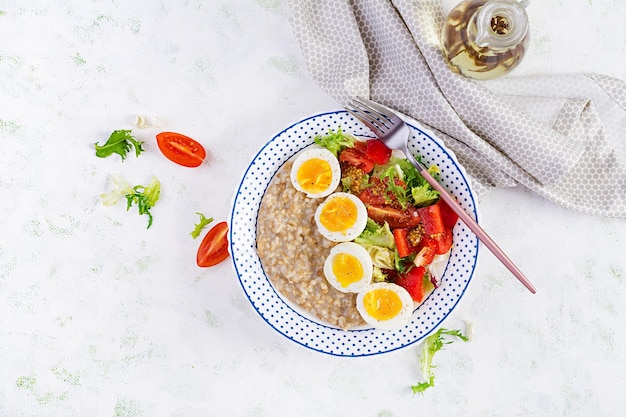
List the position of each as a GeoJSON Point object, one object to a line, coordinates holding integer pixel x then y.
{"type": "Point", "coordinates": [478, 231]}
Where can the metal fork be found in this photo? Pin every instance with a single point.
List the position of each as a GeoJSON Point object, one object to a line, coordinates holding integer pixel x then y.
{"type": "Point", "coordinates": [392, 130]}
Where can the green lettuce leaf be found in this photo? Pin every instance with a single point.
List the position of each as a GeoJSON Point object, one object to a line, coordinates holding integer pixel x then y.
{"type": "Point", "coordinates": [204, 221]}
{"type": "Point", "coordinates": [432, 344]}
{"type": "Point", "coordinates": [121, 187]}
{"type": "Point", "coordinates": [120, 142]}
{"type": "Point", "coordinates": [145, 197]}
{"type": "Point", "coordinates": [376, 235]}
{"type": "Point", "coordinates": [335, 141]}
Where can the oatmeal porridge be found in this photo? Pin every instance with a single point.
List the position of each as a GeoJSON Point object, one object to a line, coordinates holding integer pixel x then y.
{"type": "Point", "coordinates": [292, 253]}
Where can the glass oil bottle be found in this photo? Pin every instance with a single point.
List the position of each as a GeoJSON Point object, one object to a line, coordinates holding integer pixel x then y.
{"type": "Point", "coordinates": [486, 39]}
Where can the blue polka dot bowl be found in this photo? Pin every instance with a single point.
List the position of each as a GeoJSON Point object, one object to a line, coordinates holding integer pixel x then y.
{"type": "Point", "coordinates": [301, 327]}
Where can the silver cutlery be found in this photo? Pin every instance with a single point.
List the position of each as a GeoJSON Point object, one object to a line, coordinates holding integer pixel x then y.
{"type": "Point", "coordinates": [394, 132]}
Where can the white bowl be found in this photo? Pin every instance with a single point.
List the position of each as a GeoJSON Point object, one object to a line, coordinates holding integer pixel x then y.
{"type": "Point", "coordinates": [296, 324]}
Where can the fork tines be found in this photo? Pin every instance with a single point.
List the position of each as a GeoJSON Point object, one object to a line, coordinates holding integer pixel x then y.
{"type": "Point", "coordinates": [369, 113]}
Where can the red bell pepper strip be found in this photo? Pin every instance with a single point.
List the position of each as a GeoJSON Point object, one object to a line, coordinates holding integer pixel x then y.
{"type": "Point", "coordinates": [448, 216]}
{"type": "Point", "coordinates": [413, 282]}
{"type": "Point", "coordinates": [443, 241]}
{"type": "Point", "coordinates": [431, 219]}
{"type": "Point", "coordinates": [403, 246]}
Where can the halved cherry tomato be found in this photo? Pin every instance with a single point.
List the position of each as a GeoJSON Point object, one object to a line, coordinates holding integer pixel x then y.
{"type": "Point", "coordinates": [214, 246]}
{"type": "Point", "coordinates": [370, 198]}
{"type": "Point", "coordinates": [181, 149]}
{"type": "Point", "coordinates": [357, 158]}
{"type": "Point", "coordinates": [375, 193]}
{"type": "Point", "coordinates": [396, 218]}
{"type": "Point", "coordinates": [377, 151]}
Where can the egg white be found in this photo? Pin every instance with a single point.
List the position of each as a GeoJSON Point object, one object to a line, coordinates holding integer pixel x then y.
{"type": "Point", "coordinates": [316, 152]}
{"type": "Point", "coordinates": [363, 257]}
{"type": "Point", "coordinates": [352, 232]}
{"type": "Point", "coordinates": [399, 320]}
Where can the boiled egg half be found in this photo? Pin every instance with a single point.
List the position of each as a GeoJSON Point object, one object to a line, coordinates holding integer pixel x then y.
{"type": "Point", "coordinates": [315, 172]}
{"type": "Point", "coordinates": [341, 217]}
{"type": "Point", "coordinates": [385, 306]}
{"type": "Point", "coordinates": [348, 267]}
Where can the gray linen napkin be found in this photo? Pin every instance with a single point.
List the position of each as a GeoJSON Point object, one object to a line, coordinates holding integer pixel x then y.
{"type": "Point", "coordinates": [564, 137]}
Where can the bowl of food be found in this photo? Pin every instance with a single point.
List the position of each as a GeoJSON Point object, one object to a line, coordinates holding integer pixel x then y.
{"type": "Point", "coordinates": [341, 248]}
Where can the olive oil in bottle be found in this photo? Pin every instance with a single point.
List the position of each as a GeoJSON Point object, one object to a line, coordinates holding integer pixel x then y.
{"type": "Point", "coordinates": [485, 39]}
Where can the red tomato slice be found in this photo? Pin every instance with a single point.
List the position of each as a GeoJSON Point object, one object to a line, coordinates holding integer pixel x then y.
{"type": "Point", "coordinates": [377, 192]}
{"type": "Point", "coordinates": [377, 151]}
{"type": "Point", "coordinates": [181, 149]}
{"type": "Point", "coordinates": [214, 246]}
{"type": "Point", "coordinates": [368, 197]}
{"type": "Point", "coordinates": [374, 193]}
{"type": "Point", "coordinates": [396, 218]}
{"type": "Point", "coordinates": [356, 157]}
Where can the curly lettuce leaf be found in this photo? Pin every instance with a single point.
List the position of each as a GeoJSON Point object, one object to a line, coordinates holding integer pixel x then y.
{"type": "Point", "coordinates": [381, 257]}
{"type": "Point", "coordinates": [121, 187]}
{"type": "Point", "coordinates": [145, 197]}
{"type": "Point", "coordinates": [397, 188]}
{"type": "Point", "coordinates": [120, 142]}
{"type": "Point", "coordinates": [376, 235]}
{"type": "Point", "coordinates": [204, 221]}
{"type": "Point", "coordinates": [335, 141]}
{"type": "Point", "coordinates": [424, 195]}
{"type": "Point", "coordinates": [432, 344]}
{"type": "Point", "coordinates": [406, 183]}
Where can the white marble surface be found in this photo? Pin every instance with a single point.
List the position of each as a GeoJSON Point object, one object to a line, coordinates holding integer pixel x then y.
{"type": "Point", "coordinates": [101, 317]}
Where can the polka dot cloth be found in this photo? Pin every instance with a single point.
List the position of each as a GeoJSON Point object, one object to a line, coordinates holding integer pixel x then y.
{"type": "Point", "coordinates": [562, 137]}
{"type": "Point", "coordinates": [299, 326]}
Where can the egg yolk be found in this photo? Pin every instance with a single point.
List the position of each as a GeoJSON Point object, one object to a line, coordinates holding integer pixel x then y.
{"type": "Point", "coordinates": [347, 269]}
{"type": "Point", "coordinates": [382, 304]}
{"type": "Point", "coordinates": [314, 175]}
{"type": "Point", "coordinates": [339, 214]}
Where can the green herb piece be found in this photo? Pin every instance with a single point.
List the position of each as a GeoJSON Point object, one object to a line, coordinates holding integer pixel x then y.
{"type": "Point", "coordinates": [120, 142]}
{"type": "Point", "coordinates": [204, 221]}
{"type": "Point", "coordinates": [432, 344]}
{"type": "Point", "coordinates": [335, 141]}
{"type": "Point", "coordinates": [145, 197]}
